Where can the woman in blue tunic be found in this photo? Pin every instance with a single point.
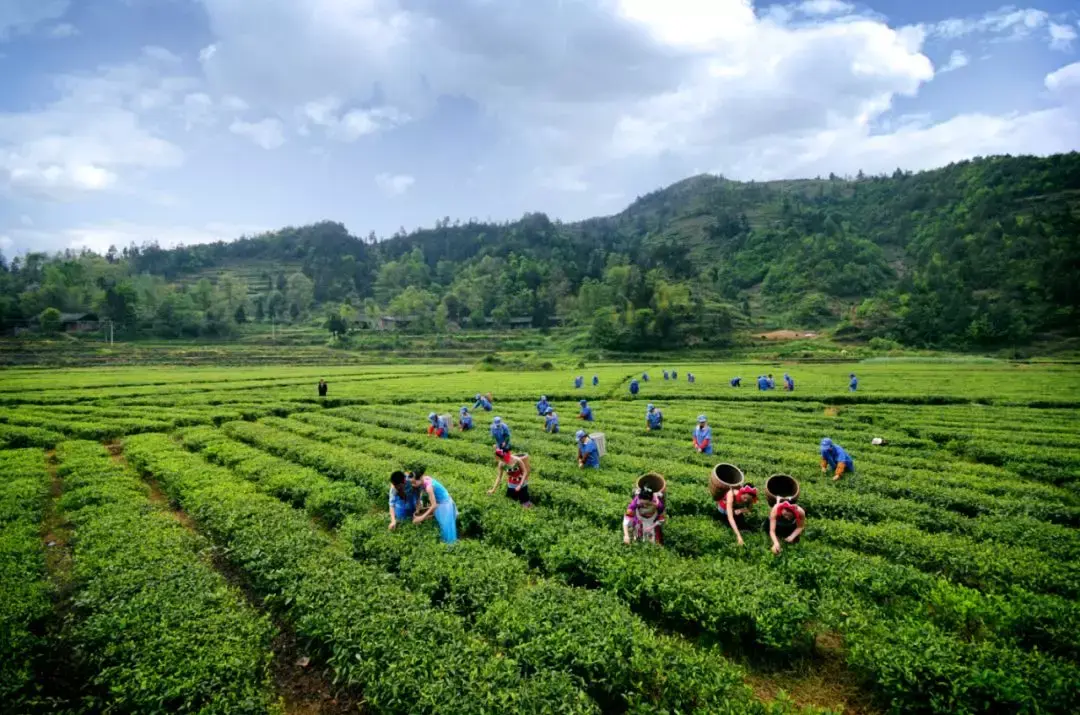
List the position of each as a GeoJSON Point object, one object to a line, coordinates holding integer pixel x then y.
{"type": "Point", "coordinates": [402, 499]}
{"type": "Point", "coordinates": [440, 504]}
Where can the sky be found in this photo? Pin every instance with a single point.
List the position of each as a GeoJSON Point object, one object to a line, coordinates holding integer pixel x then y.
{"type": "Point", "coordinates": [187, 121]}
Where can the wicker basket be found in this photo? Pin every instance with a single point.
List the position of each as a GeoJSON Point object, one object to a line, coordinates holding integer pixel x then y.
{"type": "Point", "coordinates": [781, 487]}
{"type": "Point", "coordinates": [654, 481]}
{"type": "Point", "coordinates": [724, 477]}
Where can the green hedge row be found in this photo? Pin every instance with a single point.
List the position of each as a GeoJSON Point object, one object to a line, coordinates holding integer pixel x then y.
{"type": "Point", "coordinates": [24, 591]}
{"type": "Point", "coordinates": [406, 656]}
{"type": "Point", "coordinates": [153, 625]}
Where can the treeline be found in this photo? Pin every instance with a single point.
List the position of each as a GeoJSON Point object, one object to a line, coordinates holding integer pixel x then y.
{"type": "Point", "coordinates": [980, 253]}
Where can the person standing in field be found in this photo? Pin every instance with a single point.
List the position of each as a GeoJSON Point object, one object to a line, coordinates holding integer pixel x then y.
{"type": "Point", "coordinates": [666, 375]}
{"type": "Point", "coordinates": [771, 383]}
{"type": "Point", "coordinates": [438, 426]}
{"type": "Point", "coordinates": [465, 422]}
{"type": "Point", "coordinates": [644, 518]}
{"type": "Point", "coordinates": [854, 384]}
{"type": "Point", "coordinates": [634, 387]}
{"type": "Point", "coordinates": [402, 499]}
{"type": "Point", "coordinates": [483, 401]}
{"type": "Point", "coordinates": [542, 406]}
{"type": "Point", "coordinates": [734, 505]}
{"type": "Point", "coordinates": [588, 454]}
{"type": "Point", "coordinates": [579, 382]}
{"type": "Point", "coordinates": [644, 377]}
{"type": "Point", "coordinates": [322, 388]}
{"type": "Point", "coordinates": [703, 436]}
{"type": "Point", "coordinates": [595, 380]}
{"type": "Point", "coordinates": [654, 418]}
{"type": "Point", "coordinates": [440, 504]}
{"type": "Point", "coordinates": [674, 375]}
{"type": "Point", "coordinates": [786, 521]}
{"type": "Point", "coordinates": [833, 456]}
{"type": "Point", "coordinates": [586, 411]}
{"type": "Point", "coordinates": [736, 382]}
{"type": "Point", "coordinates": [517, 472]}
{"type": "Point", "coordinates": [551, 422]}
{"type": "Point", "coordinates": [762, 383]}
{"type": "Point", "coordinates": [789, 384]}
{"type": "Point", "coordinates": [501, 433]}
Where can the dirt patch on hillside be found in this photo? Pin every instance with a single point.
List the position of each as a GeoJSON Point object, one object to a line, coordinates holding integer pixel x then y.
{"type": "Point", "coordinates": [786, 335]}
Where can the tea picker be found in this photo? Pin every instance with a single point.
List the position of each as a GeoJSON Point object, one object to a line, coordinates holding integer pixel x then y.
{"type": "Point", "coordinates": [483, 401]}
{"type": "Point", "coordinates": [786, 521]}
{"type": "Point", "coordinates": [654, 418]}
{"type": "Point", "coordinates": [322, 388]}
{"type": "Point", "coordinates": [516, 467]}
{"type": "Point", "coordinates": [595, 380]}
{"type": "Point", "coordinates": [644, 517]}
{"type": "Point", "coordinates": [586, 411]}
{"type": "Point", "coordinates": [634, 388]}
{"type": "Point", "coordinates": [551, 422]}
{"type": "Point", "coordinates": [734, 499]}
{"type": "Point", "coordinates": [439, 504]}
{"type": "Point", "coordinates": [736, 382]}
{"type": "Point", "coordinates": [500, 433]}
{"type": "Point", "coordinates": [588, 453]}
{"type": "Point", "coordinates": [465, 422]}
{"type": "Point", "coordinates": [789, 383]}
{"type": "Point", "coordinates": [833, 456]}
{"type": "Point", "coordinates": [402, 499]}
{"type": "Point", "coordinates": [854, 384]}
{"type": "Point", "coordinates": [542, 406]}
{"type": "Point", "coordinates": [439, 427]}
{"type": "Point", "coordinates": [703, 436]}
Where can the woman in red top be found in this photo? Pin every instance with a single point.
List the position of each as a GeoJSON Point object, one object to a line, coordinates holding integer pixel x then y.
{"type": "Point", "coordinates": [735, 504]}
{"type": "Point", "coordinates": [786, 521]}
{"type": "Point", "coordinates": [517, 476]}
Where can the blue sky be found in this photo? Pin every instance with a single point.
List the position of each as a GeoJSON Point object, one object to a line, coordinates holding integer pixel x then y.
{"type": "Point", "coordinates": [187, 121]}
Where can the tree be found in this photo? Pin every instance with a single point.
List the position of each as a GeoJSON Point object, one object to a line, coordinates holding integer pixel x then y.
{"type": "Point", "coordinates": [50, 321]}
{"type": "Point", "coordinates": [300, 292]}
{"type": "Point", "coordinates": [336, 325]}
{"type": "Point", "coordinates": [240, 316]}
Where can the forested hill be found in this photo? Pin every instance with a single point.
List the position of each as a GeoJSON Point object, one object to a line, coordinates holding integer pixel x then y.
{"type": "Point", "coordinates": [979, 253]}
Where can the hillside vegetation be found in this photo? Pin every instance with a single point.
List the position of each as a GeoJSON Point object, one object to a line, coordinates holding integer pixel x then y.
{"type": "Point", "coordinates": [979, 254]}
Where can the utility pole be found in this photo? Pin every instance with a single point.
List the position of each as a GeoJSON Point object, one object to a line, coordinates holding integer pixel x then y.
{"type": "Point", "coordinates": [110, 324]}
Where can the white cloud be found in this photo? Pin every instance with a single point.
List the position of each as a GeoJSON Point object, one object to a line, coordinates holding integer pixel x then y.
{"type": "Point", "coordinates": [21, 16]}
{"type": "Point", "coordinates": [1061, 36]}
{"type": "Point", "coordinates": [1008, 20]}
{"type": "Point", "coordinates": [234, 104]}
{"type": "Point", "coordinates": [348, 126]}
{"type": "Point", "coordinates": [1065, 82]}
{"type": "Point", "coordinates": [83, 141]}
{"type": "Point", "coordinates": [198, 110]}
{"type": "Point", "coordinates": [160, 54]}
{"type": "Point", "coordinates": [825, 7]}
{"type": "Point", "coordinates": [63, 30]}
{"type": "Point", "coordinates": [98, 237]}
{"type": "Point", "coordinates": [394, 184]}
{"type": "Point", "coordinates": [267, 133]}
{"type": "Point", "coordinates": [6, 242]}
{"type": "Point", "coordinates": [956, 60]}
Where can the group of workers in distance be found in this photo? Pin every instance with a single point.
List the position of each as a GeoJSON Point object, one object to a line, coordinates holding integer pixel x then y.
{"type": "Point", "coordinates": [766, 382]}
{"type": "Point", "coordinates": [419, 497]}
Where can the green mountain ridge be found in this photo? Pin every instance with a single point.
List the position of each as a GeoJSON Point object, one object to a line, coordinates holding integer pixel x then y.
{"type": "Point", "coordinates": [979, 253]}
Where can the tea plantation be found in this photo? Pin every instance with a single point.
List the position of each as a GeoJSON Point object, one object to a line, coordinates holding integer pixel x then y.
{"type": "Point", "coordinates": [178, 540]}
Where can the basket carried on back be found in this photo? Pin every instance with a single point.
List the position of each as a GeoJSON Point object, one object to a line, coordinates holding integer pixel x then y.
{"type": "Point", "coordinates": [781, 487]}
{"type": "Point", "coordinates": [724, 477]}
{"type": "Point", "coordinates": [653, 481]}
{"type": "Point", "coordinates": [601, 442]}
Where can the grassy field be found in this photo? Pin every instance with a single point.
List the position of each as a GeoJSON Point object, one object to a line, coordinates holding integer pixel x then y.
{"type": "Point", "coordinates": [210, 539]}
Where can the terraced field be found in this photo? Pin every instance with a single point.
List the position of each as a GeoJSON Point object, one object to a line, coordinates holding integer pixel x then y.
{"type": "Point", "coordinates": [212, 540]}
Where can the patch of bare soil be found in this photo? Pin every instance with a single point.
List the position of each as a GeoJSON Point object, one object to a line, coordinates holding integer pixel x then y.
{"type": "Point", "coordinates": [824, 682]}
{"type": "Point", "coordinates": [786, 335]}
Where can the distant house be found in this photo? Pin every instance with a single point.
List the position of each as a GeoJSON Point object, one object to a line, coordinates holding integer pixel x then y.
{"type": "Point", "coordinates": [75, 322]}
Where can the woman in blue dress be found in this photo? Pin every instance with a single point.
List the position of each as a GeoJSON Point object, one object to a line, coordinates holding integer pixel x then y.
{"type": "Point", "coordinates": [440, 504]}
